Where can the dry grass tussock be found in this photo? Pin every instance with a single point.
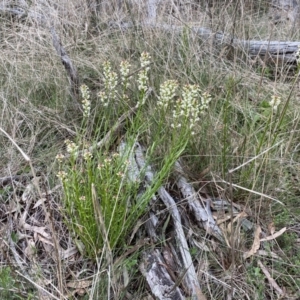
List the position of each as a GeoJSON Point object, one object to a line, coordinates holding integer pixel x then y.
{"type": "Point", "coordinates": [242, 165]}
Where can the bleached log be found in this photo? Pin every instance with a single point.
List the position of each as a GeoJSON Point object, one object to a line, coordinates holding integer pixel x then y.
{"type": "Point", "coordinates": [276, 52]}
{"type": "Point", "coordinates": [151, 7]}
{"type": "Point", "coordinates": [202, 212]}
{"type": "Point", "coordinates": [190, 279]}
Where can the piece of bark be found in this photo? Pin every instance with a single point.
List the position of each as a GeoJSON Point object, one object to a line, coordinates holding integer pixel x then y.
{"type": "Point", "coordinates": [202, 214]}
{"type": "Point", "coordinates": [161, 284]}
{"type": "Point", "coordinates": [190, 278]}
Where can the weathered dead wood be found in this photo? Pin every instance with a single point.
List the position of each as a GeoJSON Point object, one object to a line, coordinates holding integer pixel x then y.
{"type": "Point", "coordinates": [67, 63]}
{"type": "Point", "coordinates": [277, 52]}
{"type": "Point", "coordinates": [202, 212]}
{"type": "Point", "coordinates": [161, 284]}
{"type": "Point", "coordinates": [272, 51]}
{"type": "Point", "coordinates": [154, 268]}
{"type": "Point", "coordinates": [190, 279]}
{"type": "Point", "coordinates": [269, 51]}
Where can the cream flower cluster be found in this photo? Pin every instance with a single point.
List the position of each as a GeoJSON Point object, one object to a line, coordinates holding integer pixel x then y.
{"type": "Point", "coordinates": [143, 74]}
{"type": "Point", "coordinates": [72, 148]}
{"type": "Point", "coordinates": [110, 82]}
{"type": "Point", "coordinates": [86, 103]}
{"type": "Point", "coordinates": [124, 70]}
{"type": "Point", "coordinates": [167, 93]}
{"type": "Point", "coordinates": [274, 103]}
{"type": "Point", "coordinates": [189, 107]}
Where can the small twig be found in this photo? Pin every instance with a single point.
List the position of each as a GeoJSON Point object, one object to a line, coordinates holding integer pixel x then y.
{"type": "Point", "coordinates": [118, 125]}
{"type": "Point", "coordinates": [38, 286]}
{"type": "Point", "coordinates": [270, 279]}
{"type": "Point", "coordinates": [60, 50]}
{"type": "Point", "coordinates": [26, 157]}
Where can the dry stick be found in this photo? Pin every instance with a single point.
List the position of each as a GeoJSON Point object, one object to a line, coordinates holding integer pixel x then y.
{"type": "Point", "coordinates": [100, 220]}
{"type": "Point", "coordinates": [67, 63]}
{"type": "Point", "coordinates": [191, 277]}
{"type": "Point", "coordinates": [106, 246]}
{"type": "Point", "coordinates": [270, 279]}
{"type": "Point", "coordinates": [38, 286]}
{"type": "Point", "coordinates": [47, 219]}
{"type": "Point", "coordinates": [106, 139]}
{"type": "Point", "coordinates": [118, 125]}
{"type": "Point", "coordinates": [252, 191]}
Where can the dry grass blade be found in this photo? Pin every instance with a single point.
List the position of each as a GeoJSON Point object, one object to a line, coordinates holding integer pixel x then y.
{"type": "Point", "coordinates": [255, 245]}
{"type": "Point", "coordinates": [254, 192]}
{"type": "Point", "coordinates": [274, 235]}
{"type": "Point", "coordinates": [272, 282]}
{"type": "Point", "coordinates": [25, 156]}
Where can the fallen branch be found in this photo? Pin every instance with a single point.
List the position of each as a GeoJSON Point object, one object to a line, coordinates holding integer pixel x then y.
{"type": "Point", "coordinates": [67, 63]}
{"type": "Point", "coordinates": [190, 279]}
{"type": "Point", "coordinates": [272, 282]}
{"type": "Point", "coordinates": [276, 52]}
{"type": "Point", "coordinates": [202, 214]}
